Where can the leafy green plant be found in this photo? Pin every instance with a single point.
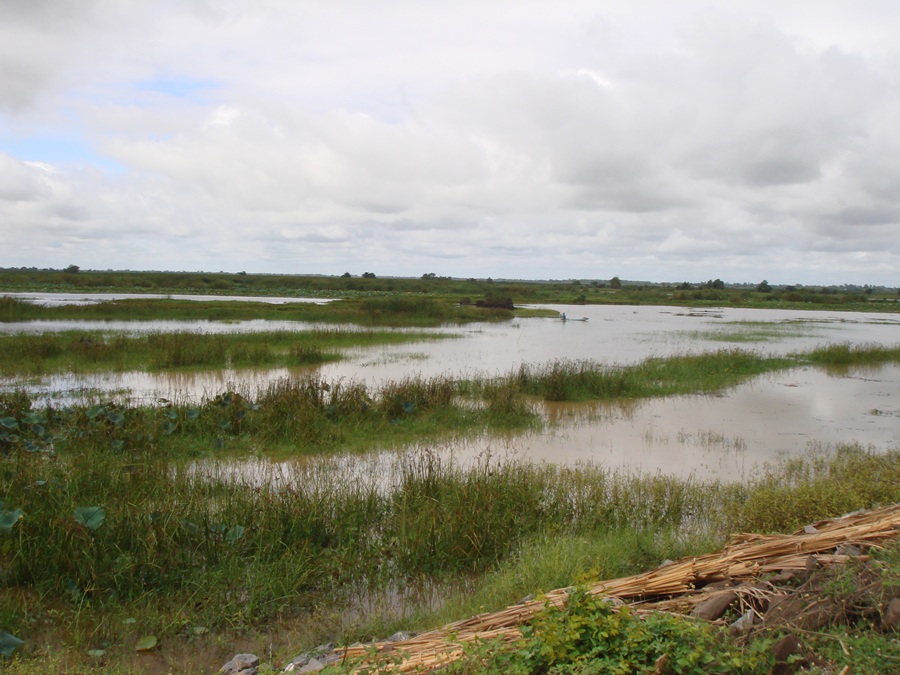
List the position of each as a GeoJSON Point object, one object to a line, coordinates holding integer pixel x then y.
{"type": "Point", "coordinates": [590, 635]}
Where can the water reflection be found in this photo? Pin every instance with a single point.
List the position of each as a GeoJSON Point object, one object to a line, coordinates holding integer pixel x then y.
{"type": "Point", "coordinates": [62, 299]}
{"type": "Point", "coordinates": [722, 435]}
{"type": "Point", "coordinates": [726, 436]}
{"type": "Point", "coordinates": [619, 335]}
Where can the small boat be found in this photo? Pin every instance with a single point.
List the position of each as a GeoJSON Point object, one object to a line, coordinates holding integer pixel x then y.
{"type": "Point", "coordinates": [569, 318]}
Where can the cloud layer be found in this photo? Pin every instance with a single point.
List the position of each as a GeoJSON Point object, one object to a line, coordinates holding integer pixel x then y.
{"type": "Point", "coordinates": [582, 140]}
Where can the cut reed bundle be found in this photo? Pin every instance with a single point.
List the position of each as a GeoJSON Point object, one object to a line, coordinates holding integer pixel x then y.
{"type": "Point", "coordinates": [745, 557]}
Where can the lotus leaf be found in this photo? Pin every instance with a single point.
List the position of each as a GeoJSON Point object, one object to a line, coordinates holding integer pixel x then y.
{"type": "Point", "coordinates": [145, 644]}
{"type": "Point", "coordinates": [8, 519]}
{"type": "Point", "coordinates": [91, 517]}
{"type": "Point", "coordinates": [235, 533]}
{"type": "Point", "coordinates": [8, 643]}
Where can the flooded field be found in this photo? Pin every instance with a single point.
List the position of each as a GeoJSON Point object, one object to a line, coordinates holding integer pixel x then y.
{"type": "Point", "coordinates": [723, 435]}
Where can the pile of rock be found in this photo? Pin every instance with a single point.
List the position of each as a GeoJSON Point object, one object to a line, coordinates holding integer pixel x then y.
{"type": "Point", "coordinates": [307, 662]}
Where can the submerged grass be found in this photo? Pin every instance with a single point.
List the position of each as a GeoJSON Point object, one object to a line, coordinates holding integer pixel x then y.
{"type": "Point", "coordinates": [754, 331]}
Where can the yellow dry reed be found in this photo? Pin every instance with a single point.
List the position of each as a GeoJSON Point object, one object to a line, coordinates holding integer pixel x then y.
{"type": "Point", "coordinates": [672, 586]}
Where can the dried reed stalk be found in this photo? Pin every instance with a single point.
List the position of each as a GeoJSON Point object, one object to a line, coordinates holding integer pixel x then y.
{"type": "Point", "coordinates": [673, 585]}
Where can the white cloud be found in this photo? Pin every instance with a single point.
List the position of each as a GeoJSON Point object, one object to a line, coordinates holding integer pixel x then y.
{"type": "Point", "coordinates": [649, 140]}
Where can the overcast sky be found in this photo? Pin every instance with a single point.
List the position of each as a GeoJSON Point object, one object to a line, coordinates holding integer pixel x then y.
{"type": "Point", "coordinates": [654, 140]}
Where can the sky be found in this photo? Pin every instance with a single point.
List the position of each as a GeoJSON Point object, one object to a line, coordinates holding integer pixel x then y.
{"type": "Point", "coordinates": [577, 139]}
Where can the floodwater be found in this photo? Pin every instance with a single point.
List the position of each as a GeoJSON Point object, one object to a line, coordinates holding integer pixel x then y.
{"type": "Point", "coordinates": [62, 299]}
{"type": "Point", "coordinates": [725, 435]}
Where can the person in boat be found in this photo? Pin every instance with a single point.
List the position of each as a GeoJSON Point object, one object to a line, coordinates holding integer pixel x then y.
{"type": "Point", "coordinates": [563, 317]}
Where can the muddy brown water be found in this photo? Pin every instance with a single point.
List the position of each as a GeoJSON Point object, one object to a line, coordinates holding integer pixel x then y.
{"type": "Point", "coordinates": [725, 435]}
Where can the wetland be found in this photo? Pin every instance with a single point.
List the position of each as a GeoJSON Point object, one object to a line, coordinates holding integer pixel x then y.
{"type": "Point", "coordinates": [302, 477]}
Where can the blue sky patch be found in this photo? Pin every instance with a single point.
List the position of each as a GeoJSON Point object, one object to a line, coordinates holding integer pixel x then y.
{"type": "Point", "coordinates": [56, 149]}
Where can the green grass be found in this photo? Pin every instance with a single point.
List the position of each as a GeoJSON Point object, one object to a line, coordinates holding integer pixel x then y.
{"type": "Point", "coordinates": [585, 380]}
{"type": "Point", "coordinates": [177, 549]}
{"type": "Point", "coordinates": [91, 351]}
{"type": "Point", "coordinates": [393, 310]}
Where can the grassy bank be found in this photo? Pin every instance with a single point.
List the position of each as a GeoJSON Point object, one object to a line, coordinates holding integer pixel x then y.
{"type": "Point", "coordinates": [108, 546]}
{"type": "Point", "coordinates": [92, 351]}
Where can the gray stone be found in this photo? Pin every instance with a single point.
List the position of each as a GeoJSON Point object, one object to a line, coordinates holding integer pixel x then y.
{"type": "Point", "coordinates": [313, 666]}
{"type": "Point", "coordinates": [241, 664]}
{"type": "Point", "coordinates": [745, 623]}
{"type": "Point", "coordinates": [848, 550]}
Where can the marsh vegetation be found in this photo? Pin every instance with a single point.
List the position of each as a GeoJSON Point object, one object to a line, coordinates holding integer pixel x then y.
{"type": "Point", "coordinates": [464, 292]}
{"type": "Point", "coordinates": [121, 521]}
{"type": "Point", "coordinates": [94, 351]}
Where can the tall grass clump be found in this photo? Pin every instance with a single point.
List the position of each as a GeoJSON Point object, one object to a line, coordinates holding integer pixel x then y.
{"type": "Point", "coordinates": [583, 380]}
{"type": "Point", "coordinates": [577, 380]}
{"type": "Point", "coordinates": [504, 403]}
{"type": "Point", "coordinates": [402, 397]}
{"type": "Point", "coordinates": [797, 491]}
{"type": "Point", "coordinates": [404, 308]}
{"type": "Point", "coordinates": [846, 354]}
{"type": "Point", "coordinates": [310, 410]}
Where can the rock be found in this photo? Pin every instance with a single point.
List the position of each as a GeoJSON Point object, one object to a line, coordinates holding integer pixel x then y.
{"type": "Point", "coordinates": [714, 607]}
{"type": "Point", "coordinates": [810, 529]}
{"type": "Point", "coordinates": [241, 664]}
{"type": "Point", "coordinates": [313, 666]}
{"type": "Point", "coordinates": [891, 618]}
{"type": "Point", "coordinates": [399, 636]}
{"type": "Point", "coordinates": [783, 650]}
{"type": "Point", "coordinates": [848, 550]}
{"type": "Point", "coordinates": [745, 623]}
{"type": "Point", "coordinates": [310, 662]}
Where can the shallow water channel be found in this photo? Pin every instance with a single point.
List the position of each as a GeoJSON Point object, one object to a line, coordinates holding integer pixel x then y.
{"type": "Point", "coordinates": [724, 435]}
